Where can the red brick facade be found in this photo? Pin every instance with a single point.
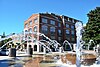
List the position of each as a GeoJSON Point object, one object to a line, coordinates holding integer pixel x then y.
{"type": "Point", "coordinates": [56, 27]}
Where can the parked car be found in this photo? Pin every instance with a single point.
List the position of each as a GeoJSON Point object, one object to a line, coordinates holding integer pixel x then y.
{"type": "Point", "coordinates": [4, 52]}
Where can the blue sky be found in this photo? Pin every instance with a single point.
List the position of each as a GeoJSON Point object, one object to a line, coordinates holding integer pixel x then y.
{"type": "Point", "coordinates": [13, 13]}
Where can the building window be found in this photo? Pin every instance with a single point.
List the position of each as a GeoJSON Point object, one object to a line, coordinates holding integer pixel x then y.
{"type": "Point", "coordinates": [52, 30]}
{"type": "Point", "coordinates": [73, 38]}
{"type": "Point", "coordinates": [52, 37]}
{"type": "Point", "coordinates": [68, 35]}
{"type": "Point", "coordinates": [72, 32]}
{"type": "Point", "coordinates": [30, 30]}
{"type": "Point", "coordinates": [30, 22]}
{"type": "Point", "coordinates": [52, 22]}
{"type": "Point", "coordinates": [72, 26]}
{"type": "Point", "coordinates": [44, 29]}
{"type": "Point", "coordinates": [68, 38]}
{"type": "Point", "coordinates": [35, 20]}
{"type": "Point", "coordinates": [67, 32]}
{"type": "Point", "coordinates": [26, 30]}
{"type": "Point", "coordinates": [59, 38]}
{"type": "Point", "coordinates": [73, 21]}
{"type": "Point", "coordinates": [59, 32]}
{"type": "Point", "coordinates": [26, 25]}
{"type": "Point", "coordinates": [67, 25]}
{"type": "Point", "coordinates": [59, 24]}
{"type": "Point", "coordinates": [44, 20]}
{"type": "Point", "coordinates": [35, 29]}
{"type": "Point", "coordinates": [70, 20]}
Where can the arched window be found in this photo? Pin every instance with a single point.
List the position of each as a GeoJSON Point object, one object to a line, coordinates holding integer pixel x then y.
{"type": "Point", "coordinates": [44, 29]}
{"type": "Point", "coordinates": [35, 20]}
{"type": "Point", "coordinates": [35, 29]}
{"type": "Point", "coordinates": [52, 30]}
{"type": "Point", "coordinates": [30, 22]}
{"type": "Point", "coordinates": [26, 25]}
{"type": "Point", "coordinates": [30, 30]}
{"type": "Point", "coordinates": [26, 30]}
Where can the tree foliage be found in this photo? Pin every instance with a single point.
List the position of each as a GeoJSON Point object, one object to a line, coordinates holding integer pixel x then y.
{"type": "Point", "coordinates": [4, 41]}
{"type": "Point", "coordinates": [92, 28]}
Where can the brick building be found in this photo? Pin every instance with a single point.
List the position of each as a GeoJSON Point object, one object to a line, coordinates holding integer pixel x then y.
{"type": "Point", "coordinates": [56, 27]}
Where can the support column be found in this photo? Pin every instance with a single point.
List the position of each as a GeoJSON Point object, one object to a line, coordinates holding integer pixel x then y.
{"type": "Point", "coordinates": [44, 50]}
{"type": "Point", "coordinates": [30, 50]}
{"type": "Point", "coordinates": [37, 48]}
{"type": "Point", "coordinates": [12, 52]}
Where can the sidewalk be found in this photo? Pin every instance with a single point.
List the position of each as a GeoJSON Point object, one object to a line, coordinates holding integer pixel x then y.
{"type": "Point", "coordinates": [17, 55]}
{"type": "Point", "coordinates": [5, 57]}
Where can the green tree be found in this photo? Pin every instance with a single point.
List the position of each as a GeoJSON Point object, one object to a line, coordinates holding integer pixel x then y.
{"type": "Point", "coordinates": [2, 36]}
{"type": "Point", "coordinates": [92, 28]}
{"type": "Point", "coordinates": [4, 41]}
